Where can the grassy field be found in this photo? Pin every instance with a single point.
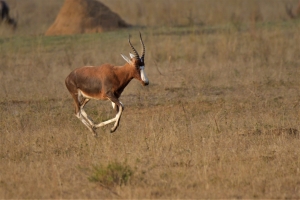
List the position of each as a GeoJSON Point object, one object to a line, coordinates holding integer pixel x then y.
{"type": "Point", "coordinates": [220, 118]}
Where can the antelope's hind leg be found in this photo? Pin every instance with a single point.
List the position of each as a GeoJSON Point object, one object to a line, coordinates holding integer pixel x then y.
{"type": "Point", "coordinates": [85, 122]}
{"type": "Point", "coordinates": [80, 102]}
{"type": "Point", "coordinates": [90, 121]}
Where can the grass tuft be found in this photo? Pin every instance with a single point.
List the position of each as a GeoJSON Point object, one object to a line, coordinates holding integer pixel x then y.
{"type": "Point", "coordinates": [114, 174]}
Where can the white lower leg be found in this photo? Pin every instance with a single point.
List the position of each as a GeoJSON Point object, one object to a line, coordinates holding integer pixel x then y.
{"type": "Point", "coordinates": [115, 119]}
{"type": "Point", "coordinates": [113, 105]}
{"type": "Point", "coordinates": [85, 122]}
{"type": "Point", "coordinates": [106, 122]}
{"type": "Point", "coordinates": [83, 113]}
{"type": "Point", "coordinates": [118, 116]}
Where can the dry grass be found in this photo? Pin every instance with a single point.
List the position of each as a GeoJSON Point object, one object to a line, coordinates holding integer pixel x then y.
{"type": "Point", "coordinates": [220, 118]}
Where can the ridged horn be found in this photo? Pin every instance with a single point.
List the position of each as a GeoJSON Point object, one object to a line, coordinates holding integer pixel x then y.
{"type": "Point", "coordinates": [135, 52]}
{"type": "Point", "coordinates": [143, 54]}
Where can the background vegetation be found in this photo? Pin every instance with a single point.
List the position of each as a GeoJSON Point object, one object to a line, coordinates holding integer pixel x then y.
{"type": "Point", "coordinates": [220, 118]}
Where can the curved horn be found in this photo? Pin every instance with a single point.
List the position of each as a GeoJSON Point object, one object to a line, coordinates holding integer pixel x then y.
{"type": "Point", "coordinates": [135, 52]}
{"type": "Point", "coordinates": [143, 54]}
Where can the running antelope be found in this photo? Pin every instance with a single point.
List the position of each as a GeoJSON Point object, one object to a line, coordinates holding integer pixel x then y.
{"type": "Point", "coordinates": [105, 82]}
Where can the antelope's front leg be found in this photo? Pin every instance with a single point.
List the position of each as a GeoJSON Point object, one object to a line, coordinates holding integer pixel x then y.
{"type": "Point", "coordinates": [120, 109]}
{"type": "Point", "coordinates": [116, 119]}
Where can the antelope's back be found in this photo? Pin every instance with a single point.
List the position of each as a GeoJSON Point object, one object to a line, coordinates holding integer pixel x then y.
{"type": "Point", "coordinates": [89, 79]}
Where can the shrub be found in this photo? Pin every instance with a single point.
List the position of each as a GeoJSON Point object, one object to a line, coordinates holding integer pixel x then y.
{"type": "Point", "coordinates": [112, 175]}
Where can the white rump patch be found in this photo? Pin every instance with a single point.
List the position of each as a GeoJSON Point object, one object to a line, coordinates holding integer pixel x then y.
{"type": "Point", "coordinates": [80, 93]}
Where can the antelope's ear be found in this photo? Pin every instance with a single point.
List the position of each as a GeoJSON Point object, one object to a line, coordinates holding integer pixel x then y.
{"type": "Point", "coordinates": [131, 55]}
{"type": "Point", "coordinates": [126, 59]}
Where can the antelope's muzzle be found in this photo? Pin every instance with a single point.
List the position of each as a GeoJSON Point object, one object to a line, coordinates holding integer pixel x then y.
{"type": "Point", "coordinates": [143, 76]}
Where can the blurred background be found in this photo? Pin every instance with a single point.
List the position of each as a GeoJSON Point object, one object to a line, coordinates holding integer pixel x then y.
{"type": "Point", "coordinates": [35, 16]}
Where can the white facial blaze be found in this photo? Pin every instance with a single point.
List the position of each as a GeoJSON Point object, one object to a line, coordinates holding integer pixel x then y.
{"type": "Point", "coordinates": [143, 75]}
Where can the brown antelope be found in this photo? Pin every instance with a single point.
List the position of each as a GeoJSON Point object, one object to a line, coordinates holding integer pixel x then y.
{"type": "Point", "coordinates": [105, 82]}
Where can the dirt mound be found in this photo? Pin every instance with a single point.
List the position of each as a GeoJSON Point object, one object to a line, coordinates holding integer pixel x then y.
{"type": "Point", "coordinates": [84, 16]}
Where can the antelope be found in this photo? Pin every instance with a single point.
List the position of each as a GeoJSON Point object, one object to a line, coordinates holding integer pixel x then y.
{"type": "Point", "coordinates": [5, 17]}
{"type": "Point", "coordinates": [105, 82]}
{"type": "Point", "coordinates": [291, 12]}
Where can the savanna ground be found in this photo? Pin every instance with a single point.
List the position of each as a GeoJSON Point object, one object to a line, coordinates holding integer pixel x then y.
{"type": "Point", "coordinates": [220, 118]}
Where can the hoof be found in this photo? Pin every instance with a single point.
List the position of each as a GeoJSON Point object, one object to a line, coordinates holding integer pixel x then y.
{"type": "Point", "coordinates": [113, 129]}
{"type": "Point", "coordinates": [95, 134]}
{"type": "Point", "coordinates": [94, 131]}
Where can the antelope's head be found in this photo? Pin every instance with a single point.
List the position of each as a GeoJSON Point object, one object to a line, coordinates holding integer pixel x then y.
{"type": "Point", "coordinates": [138, 63]}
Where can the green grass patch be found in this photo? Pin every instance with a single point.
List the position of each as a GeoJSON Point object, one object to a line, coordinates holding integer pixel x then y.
{"type": "Point", "coordinates": [114, 174]}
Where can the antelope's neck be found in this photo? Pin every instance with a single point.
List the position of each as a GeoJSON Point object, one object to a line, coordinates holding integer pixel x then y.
{"type": "Point", "coordinates": [125, 75]}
